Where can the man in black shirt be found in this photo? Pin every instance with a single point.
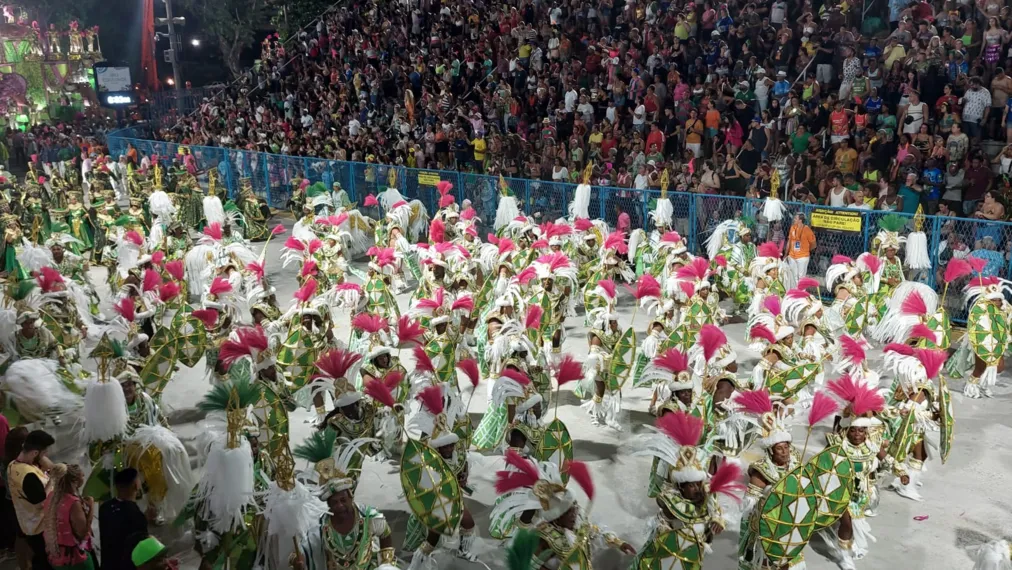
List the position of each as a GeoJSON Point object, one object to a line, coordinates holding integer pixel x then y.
{"type": "Point", "coordinates": [121, 523]}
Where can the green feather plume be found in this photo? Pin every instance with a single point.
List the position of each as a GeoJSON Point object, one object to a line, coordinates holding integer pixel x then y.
{"type": "Point", "coordinates": [21, 290]}
{"type": "Point", "coordinates": [892, 223]}
{"type": "Point", "coordinates": [318, 447]}
{"type": "Point", "coordinates": [123, 220]}
{"type": "Point", "coordinates": [117, 348]}
{"type": "Point", "coordinates": [217, 400]}
{"type": "Point", "coordinates": [315, 190]}
{"type": "Point", "coordinates": [230, 206]}
{"type": "Point", "coordinates": [748, 221]}
{"type": "Point", "coordinates": [520, 554]}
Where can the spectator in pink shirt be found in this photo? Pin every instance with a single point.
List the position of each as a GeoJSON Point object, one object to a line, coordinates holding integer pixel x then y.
{"type": "Point", "coordinates": [624, 223]}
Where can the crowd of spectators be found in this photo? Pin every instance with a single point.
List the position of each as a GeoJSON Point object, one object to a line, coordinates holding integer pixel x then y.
{"type": "Point", "coordinates": [891, 109]}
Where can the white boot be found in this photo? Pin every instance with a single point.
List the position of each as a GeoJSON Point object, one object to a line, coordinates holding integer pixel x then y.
{"type": "Point", "coordinates": [422, 557]}
{"type": "Point", "coordinates": [846, 561]}
{"type": "Point", "coordinates": [909, 490]}
{"type": "Point", "coordinates": [972, 388]}
{"type": "Point", "coordinates": [467, 540]}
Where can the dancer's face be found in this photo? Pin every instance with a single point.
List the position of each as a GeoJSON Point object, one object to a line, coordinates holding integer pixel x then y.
{"type": "Point", "coordinates": [857, 435]}
{"type": "Point", "coordinates": [781, 453]}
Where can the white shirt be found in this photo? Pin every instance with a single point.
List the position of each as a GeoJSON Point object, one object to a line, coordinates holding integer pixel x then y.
{"type": "Point", "coordinates": [778, 12]}
{"type": "Point", "coordinates": [571, 97]}
{"type": "Point", "coordinates": [639, 115]}
{"type": "Point", "coordinates": [640, 183]}
{"type": "Point", "coordinates": [353, 127]}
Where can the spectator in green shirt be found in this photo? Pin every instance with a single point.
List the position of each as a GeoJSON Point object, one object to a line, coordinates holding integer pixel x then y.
{"type": "Point", "coordinates": [799, 140]}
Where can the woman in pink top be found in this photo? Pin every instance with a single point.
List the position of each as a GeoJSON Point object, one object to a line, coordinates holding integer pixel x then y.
{"type": "Point", "coordinates": [67, 519]}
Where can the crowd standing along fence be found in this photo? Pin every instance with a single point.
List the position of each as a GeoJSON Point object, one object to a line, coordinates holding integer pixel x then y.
{"type": "Point", "coordinates": [844, 231]}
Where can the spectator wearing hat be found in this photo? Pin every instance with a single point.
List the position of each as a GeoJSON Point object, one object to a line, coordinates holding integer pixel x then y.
{"type": "Point", "coordinates": [150, 554]}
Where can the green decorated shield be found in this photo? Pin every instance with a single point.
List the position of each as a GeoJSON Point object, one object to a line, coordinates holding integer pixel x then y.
{"type": "Point", "coordinates": [786, 518]}
{"type": "Point", "coordinates": [902, 437]}
{"type": "Point", "coordinates": [855, 320]}
{"type": "Point", "coordinates": [442, 351]}
{"type": "Point", "coordinates": [942, 327]}
{"type": "Point", "coordinates": [192, 336]}
{"type": "Point", "coordinates": [159, 368]}
{"type": "Point", "coordinates": [833, 474]}
{"type": "Point", "coordinates": [623, 357]}
{"type": "Point", "coordinates": [297, 357]}
{"type": "Point", "coordinates": [484, 294]}
{"type": "Point", "coordinates": [670, 550]}
{"type": "Point", "coordinates": [987, 330]}
{"type": "Point", "coordinates": [556, 446]}
{"type": "Point", "coordinates": [431, 488]}
{"type": "Point", "coordinates": [946, 421]}
{"type": "Point", "coordinates": [787, 383]}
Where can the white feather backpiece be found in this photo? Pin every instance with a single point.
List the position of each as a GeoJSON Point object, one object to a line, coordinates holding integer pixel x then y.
{"type": "Point", "coordinates": [917, 251]}
{"type": "Point", "coordinates": [580, 206]}
{"type": "Point", "coordinates": [105, 412]}
{"type": "Point", "coordinates": [160, 205]}
{"type": "Point", "coordinates": [213, 210]}
{"type": "Point", "coordinates": [225, 491]}
{"type": "Point", "coordinates": [289, 514]}
{"type": "Point", "coordinates": [506, 211]}
{"type": "Point", "coordinates": [175, 466]}
{"type": "Point", "coordinates": [34, 257]}
{"type": "Point", "coordinates": [37, 391]}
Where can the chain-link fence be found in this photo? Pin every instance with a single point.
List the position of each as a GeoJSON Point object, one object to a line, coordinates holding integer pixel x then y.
{"type": "Point", "coordinates": [838, 231]}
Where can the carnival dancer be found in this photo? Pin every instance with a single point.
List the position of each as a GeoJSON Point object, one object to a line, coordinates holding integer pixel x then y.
{"type": "Point", "coordinates": [858, 442]}
{"type": "Point", "coordinates": [353, 417]}
{"type": "Point", "coordinates": [611, 263]}
{"type": "Point", "coordinates": [773, 338]}
{"type": "Point", "coordinates": [689, 517]}
{"type": "Point", "coordinates": [379, 297]}
{"type": "Point", "coordinates": [916, 407]}
{"type": "Point", "coordinates": [556, 279]}
{"type": "Point", "coordinates": [537, 492]}
{"type": "Point", "coordinates": [849, 310]}
{"type": "Point", "coordinates": [350, 535]}
{"type": "Point", "coordinates": [662, 324]}
{"type": "Point", "coordinates": [612, 353]}
{"type": "Point", "coordinates": [987, 334]}
{"type": "Point", "coordinates": [444, 332]}
{"type": "Point", "coordinates": [442, 456]}
{"type": "Point", "coordinates": [732, 240]}
{"type": "Point", "coordinates": [780, 458]}
{"type": "Point", "coordinates": [805, 313]}
{"type": "Point", "coordinates": [75, 268]}
{"type": "Point", "coordinates": [766, 276]}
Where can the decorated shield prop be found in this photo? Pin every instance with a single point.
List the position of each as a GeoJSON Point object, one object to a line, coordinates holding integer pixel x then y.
{"type": "Point", "coordinates": [901, 438]}
{"type": "Point", "coordinates": [298, 357]}
{"type": "Point", "coordinates": [623, 357]}
{"type": "Point", "coordinates": [430, 488]}
{"type": "Point", "coordinates": [946, 421]}
{"type": "Point", "coordinates": [464, 430]}
{"type": "Point", "coordinates": [987, 331]}
{"type": "Point", "coordinates": [787, 383]}
{"type": "Point", "coordinates": [192, 335]}
{"type": "Point", "coordinates": [671, 550]}
{"type": "Point", "coordinates": [833, 475]}
{"type": "Point", "coordinates": [786, 518]}
{"type": "Point", "coordinates": [940, 324]}
{"type": "Point", "coordinates": [556, 446]}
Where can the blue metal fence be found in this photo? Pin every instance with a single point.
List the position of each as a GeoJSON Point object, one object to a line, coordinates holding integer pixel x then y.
{"type": "Point", "coordinates": [696, 215]}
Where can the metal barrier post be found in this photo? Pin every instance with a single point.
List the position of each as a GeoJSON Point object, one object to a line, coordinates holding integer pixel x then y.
{"type": "Point", "coordinates": [933, 242]}
{"type": "Point", "coordinates": [267, 181]}
{"type": "Point", "coordinates": [692, 223]}
{"type": "Point", "coordinates": [866, 220]}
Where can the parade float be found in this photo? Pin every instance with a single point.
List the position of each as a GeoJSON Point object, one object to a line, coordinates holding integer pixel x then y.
{"type": "Point", "coordinates": [44, 73]}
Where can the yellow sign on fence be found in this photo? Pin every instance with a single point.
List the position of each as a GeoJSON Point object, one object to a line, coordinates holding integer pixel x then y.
{"type": "Point", "coordinates": [839, 220]}
{"type": "Point", "coordinates": [428, 178]}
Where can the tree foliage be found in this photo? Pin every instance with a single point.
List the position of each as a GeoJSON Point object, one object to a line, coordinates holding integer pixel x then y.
{"type": "Point", "coordinates": [234, 23]}
{"type": "Point", "coordinates": [293, 15]}
{"type": "Point", "coordinates": [61, 12]}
